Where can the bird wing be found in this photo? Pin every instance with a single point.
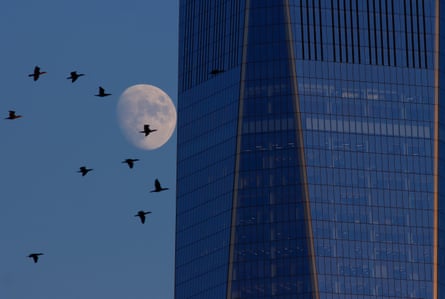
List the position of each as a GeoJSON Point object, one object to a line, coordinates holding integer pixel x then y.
{"type": "Point", "coordinates": [216, 71]}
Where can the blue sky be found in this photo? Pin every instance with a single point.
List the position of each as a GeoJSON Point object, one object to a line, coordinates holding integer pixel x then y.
{"type": "Point", "coordinates": [94, 247]}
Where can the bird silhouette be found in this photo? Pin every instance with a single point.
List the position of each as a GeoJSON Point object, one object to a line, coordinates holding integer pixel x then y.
{"type": "Point", "coordinates": [158, 187]}
{"type": "Point", "coordinates": [141, 214]}
{"type": "Point", "coordinates": [74, 76]}
{"type": "Point", "coordinates": [147, 130]}
{"type": "Point", "coordinates": [83, 170]}
{"type": "Point", "coordinates": [36, 74]}
{"type": "Point", "coordinates": [216, 71]}
{"type": "Point", "coordinates": [130, 162]}
{"type": "Point", "coordinates": [35, 256]}
{"type": "Point", "coordinates": [102, 93]}
{"type": "Point", "coordinates": [12, 115]}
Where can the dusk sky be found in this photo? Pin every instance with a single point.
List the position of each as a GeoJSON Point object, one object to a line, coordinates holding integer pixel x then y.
{"type": "Point", "coordinates": [94, 246]}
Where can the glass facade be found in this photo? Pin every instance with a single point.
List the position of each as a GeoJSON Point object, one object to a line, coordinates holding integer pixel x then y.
{"type": "Point", "coordinates": [310, 137]}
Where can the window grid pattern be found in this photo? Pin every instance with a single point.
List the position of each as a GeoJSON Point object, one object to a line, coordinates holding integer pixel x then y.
{"type": "Point", "coordinates": [367, 104]}
{"type": "Point", "coordinates": [207, 124]}
{"type": "Point", "coordinates": [376, 32]}
{"type": "Point", "coordinates": [271, 252]}
{"type": "Point", "coordinates": [366, 91]}
{"type": "Point", "coordinates": [369, 154]}
{"type": "Point", "coordinates": [210, 38]}
{"type": "Point", "coordinates": [205, 174]}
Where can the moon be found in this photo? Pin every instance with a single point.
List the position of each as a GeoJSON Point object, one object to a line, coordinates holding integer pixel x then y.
{"type": "Point", "coordinates": [143, 104]}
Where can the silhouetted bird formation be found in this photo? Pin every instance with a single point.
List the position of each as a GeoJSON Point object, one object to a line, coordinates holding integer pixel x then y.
{"type": "Point", "coordinates": [36, 74]}
{"type": "Point", "coordinates": [158, 187]}
{"type": "Point", "coordinates": [83, 170]}
{"type": "Point", "coordinates": [147, 130]}
{"type": "Point", "coordinates": [102, 93]}
{"type": "Point", "coordinates": [74, 76]}
{"type": "Point", "coordinates": [130, 162]}
{"type": "Point", "coordinates": [35, 256]}
{"type": "Point", "coordinates": [141, 214]}
{"type": "Point", "coordinates": [12, 115]}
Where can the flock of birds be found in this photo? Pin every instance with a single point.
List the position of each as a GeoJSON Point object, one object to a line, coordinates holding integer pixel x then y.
{"type": "Point", "coordinates": [83, 170]}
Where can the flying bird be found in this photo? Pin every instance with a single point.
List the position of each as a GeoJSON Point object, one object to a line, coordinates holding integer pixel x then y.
{"type": "Point", "coordinates": [147, 130]}
{"type": "Point", "coordinates": [83, 170]}
{"type": "Point", "coordinates": [141, 214]}
{"type": "Point", "coordinates": [74, 76]}
{"type": "Point", "coordinates": [36, 73]}
{"type": "Point", "coordinates": [130, 162]}
{"type": "Point", "coordinates": [35, 256]}
{"type": "Point", "coordinates": [158, 187]}
{"type": "Point", "coordinates": [12, 115]}
{"type": "Point", "coordinates": [216, 71]}
{"type": "Point", "coordinates": [102, 93]}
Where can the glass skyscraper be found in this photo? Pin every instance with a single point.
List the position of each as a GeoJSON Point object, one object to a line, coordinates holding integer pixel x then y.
{"type": "Point", "coordinates": [310, 149]}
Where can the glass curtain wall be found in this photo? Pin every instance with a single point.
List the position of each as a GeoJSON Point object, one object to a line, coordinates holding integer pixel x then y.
{"type": "Point", "coordinates": [366, 86]}
{"type": "Point", "coordinates": [309, 141]}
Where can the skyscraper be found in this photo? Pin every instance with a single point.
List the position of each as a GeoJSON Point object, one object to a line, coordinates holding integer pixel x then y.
{"type": "Point", "coordinates": [310, 149]}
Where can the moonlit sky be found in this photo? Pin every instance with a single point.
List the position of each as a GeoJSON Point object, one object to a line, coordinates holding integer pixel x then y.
{"type": "Point", "coordinates": [94, 247]}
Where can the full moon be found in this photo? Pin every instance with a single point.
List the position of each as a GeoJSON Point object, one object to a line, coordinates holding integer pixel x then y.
{"type": "Point", "coordinates": [144, 104]}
